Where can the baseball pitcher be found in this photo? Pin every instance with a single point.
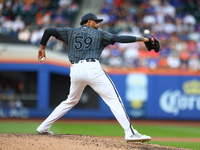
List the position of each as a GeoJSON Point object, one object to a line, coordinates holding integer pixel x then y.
{"type": "Point", "coordinates": [85, 45]}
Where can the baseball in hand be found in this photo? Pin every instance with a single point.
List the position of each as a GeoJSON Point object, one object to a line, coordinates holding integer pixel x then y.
{"type": "Point", "coordinates": [146, 31]}
{"type": "Point", "coordinates": [42, 59]}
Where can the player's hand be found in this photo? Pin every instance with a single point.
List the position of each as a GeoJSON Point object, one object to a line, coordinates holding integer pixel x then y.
{"type": "Point", "coordinates": [41, 52]}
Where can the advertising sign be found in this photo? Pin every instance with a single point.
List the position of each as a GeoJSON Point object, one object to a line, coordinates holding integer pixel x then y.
{"type": "Point", "coordinates": [173, 97]}
{"type": "Point", "coordinates": [136, 94]}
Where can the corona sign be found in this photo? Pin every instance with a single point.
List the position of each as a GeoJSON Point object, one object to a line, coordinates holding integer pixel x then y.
{"type": "Point", "coordinates": [176, 97]}
{"type": "Point", "coordinates": [176, 101]}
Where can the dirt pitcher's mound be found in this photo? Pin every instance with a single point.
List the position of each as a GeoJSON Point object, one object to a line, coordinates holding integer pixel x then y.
{"type": "Point", "coordinates": [70, 142]}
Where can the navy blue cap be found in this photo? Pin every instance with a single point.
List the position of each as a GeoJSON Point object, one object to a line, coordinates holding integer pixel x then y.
{"type": "Point", "coordinates": [89, 16]}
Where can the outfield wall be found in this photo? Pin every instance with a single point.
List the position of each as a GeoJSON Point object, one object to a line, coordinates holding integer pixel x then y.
{"type": "Point", "coordinates": [149, 96]}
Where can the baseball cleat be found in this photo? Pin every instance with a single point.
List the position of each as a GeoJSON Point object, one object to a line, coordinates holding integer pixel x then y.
{"type": "Point", "coordinates": [137, 137]}
{"type": "Point", "coordinates": [45, 132]}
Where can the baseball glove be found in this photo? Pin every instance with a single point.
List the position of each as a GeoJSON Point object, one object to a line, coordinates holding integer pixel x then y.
{"type": "Point", "coordinates": [153, 44]}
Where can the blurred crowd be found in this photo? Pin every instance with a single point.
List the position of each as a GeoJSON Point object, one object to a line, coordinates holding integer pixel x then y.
{"type": "Point", "coordinates": [176, 23]}
{"type": "Point", "coordinates": [7, 97]}
{"type": "Point", "coordinates": [27, 19]}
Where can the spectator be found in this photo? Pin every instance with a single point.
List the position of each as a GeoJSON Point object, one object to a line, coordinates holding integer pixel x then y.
{"type": "Point", "coordinates": [173, 61]}
{"type": "Point", "coordinates": [35, 37]}
{"type": "Point", "coordinates": [18, 24]}
{"type": "Point", "coordinates": [24, 34]}
{"type": "Point", "coordinates": [188, 19]}
{"type": "Point", "coordinates": [193, 62]}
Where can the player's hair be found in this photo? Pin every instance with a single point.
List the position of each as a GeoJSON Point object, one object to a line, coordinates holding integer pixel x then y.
{"type": "Point", "coordinates": [84, 22]}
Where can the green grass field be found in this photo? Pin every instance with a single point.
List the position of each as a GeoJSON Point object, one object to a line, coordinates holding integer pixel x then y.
{"type": "Point", "coordinates": [111, 130]}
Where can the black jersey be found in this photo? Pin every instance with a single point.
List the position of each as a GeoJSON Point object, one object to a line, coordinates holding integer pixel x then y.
{"type": "Point", "coordinates": [84, 42]}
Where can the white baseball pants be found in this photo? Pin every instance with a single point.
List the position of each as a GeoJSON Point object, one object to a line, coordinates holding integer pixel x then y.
{"type": "Point", "coordinates": [90, 73]}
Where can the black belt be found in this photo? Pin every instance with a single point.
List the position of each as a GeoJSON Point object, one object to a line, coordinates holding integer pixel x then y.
{"type": "Point", "coordinates": [87, 60]}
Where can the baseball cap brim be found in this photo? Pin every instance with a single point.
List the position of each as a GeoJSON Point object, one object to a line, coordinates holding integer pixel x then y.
{"type": "Point", "coordinates": [99, 20]}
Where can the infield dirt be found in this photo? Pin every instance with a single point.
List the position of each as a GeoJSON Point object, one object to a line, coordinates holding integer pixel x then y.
{"type": "Point", "coordinates": [11, 141]}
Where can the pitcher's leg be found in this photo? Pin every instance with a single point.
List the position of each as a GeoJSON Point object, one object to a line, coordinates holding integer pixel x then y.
{"type": "Point", "coordinates": [73, 98]}
{"type": "Point", "coordinates": [106, 89]}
